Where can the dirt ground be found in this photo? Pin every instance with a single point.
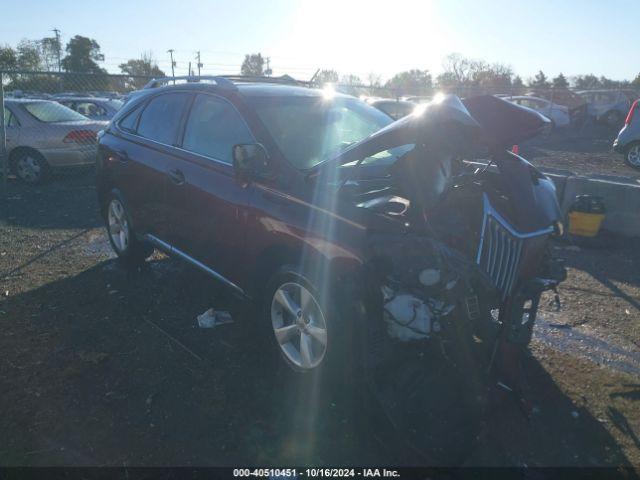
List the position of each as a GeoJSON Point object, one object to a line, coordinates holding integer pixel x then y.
{"type": "Point", "coordinates": [99, 366]}
{"type": "Point", "coordinates": [585, 151]}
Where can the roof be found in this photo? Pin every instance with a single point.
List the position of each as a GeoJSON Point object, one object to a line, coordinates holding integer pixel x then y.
{"type": "Point", "coordinates": [83, 99]}
{"type": "Point", "coordinates": [25, 100]}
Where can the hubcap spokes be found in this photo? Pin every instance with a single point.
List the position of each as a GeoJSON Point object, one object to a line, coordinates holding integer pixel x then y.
{"type": "Point", "coordinates": [299, 325]}
{"type": "Point", "coordinates": [118, 225]}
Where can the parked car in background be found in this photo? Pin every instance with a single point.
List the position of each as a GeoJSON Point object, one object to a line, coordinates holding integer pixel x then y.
{"type": "Point", "coordinates": [576, 104]}
{"type": "Point", "coordinates": [608, 106]}
{"type": "Point", "coordinates": [92, 107]}
{"type": "Point", "coordinates": [628, 140]}
{"type": "Point", "coordinates": [417, 98]}
{"type": "Point", "coordinates": [394, 108]}
{"type": "Point", "coordinates": [43, 135]}
{"type": "Point", "coordinates": [558, 114]}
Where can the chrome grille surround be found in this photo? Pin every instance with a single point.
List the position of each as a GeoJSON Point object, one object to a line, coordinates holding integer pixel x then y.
{"type": "Point", "coordinates": [500, 248]}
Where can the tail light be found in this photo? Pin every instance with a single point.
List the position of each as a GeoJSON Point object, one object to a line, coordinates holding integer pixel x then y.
{"type": "Point", "coordinates": [80, 136]}
{"type": "Point", "coordinates": [515, 149]}
{"type": "Point", "coordinates": [632, 110]}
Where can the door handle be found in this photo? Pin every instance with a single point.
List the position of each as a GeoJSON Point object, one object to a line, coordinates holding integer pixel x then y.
{"type": "Point", "coordinates": [176, 176]}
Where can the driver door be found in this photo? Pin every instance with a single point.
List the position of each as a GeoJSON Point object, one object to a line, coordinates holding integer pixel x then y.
{"type": "Point", "coordinates": [206, 204]}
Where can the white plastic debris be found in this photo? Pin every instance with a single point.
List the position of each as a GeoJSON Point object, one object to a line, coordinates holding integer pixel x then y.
{"type": "Point", "coordinates": [213, 318]}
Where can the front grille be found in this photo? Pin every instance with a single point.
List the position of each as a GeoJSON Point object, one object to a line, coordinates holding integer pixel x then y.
{"type": "Point", "coordinates": [499, 255]}
{"type": "Point", "coordinates": [500, 249]}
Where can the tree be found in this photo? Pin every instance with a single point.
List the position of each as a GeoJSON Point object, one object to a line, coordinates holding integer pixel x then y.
{"type": "Point", "coordinates": [414, 81]}
{"type": "Point", "coordinates": [560, 81]}
{"type": "Point", "coordinates": [466, 73]}
{"type": "Point", "coordinates": [28, 55]}
{"type": "Point", "coordinates": [517, 83]}
{"type": "Point", "coordinates": [83, 53]}
{"type": "Point", "coordinates": [636, 81]}
{"type": "Point", "coordinates": [146, 65]}
{"type": "Point", "coordinates": [584, 82]}
{"type": "Point", "coordinates": [326, 76]}
{"type": "Point", "coordinates": [50, 51]}
{"type": "Point", "coordinates": [8, 58]}
{"type": "Point", "coordinates": [253, 65]}
{"type": "Point", "coordinates": [539, 81]}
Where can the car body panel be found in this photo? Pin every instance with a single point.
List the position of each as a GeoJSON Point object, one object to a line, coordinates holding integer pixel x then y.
{"type": "Point", "coordinates": [629, 133]}
{"type": "Point", "coordinates": [47, 138]}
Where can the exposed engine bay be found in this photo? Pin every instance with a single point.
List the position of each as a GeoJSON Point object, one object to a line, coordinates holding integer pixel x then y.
{"type": "Point", "coordinates": [470, 247]}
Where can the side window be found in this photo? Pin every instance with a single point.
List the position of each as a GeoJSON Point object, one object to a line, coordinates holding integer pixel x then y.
{"type": "Point", "coordinates": [160, 120]}
{"type": "Point", "coordinates": [130, 120]}
{"type": "Point", "coordinates": [213, 128]}
{"type": "Point", "coordinates": [9, 119]}
{"type": "Point", "coordinates": [90, 109]}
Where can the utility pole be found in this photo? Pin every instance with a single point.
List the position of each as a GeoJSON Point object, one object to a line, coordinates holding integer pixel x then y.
{"type": "Point", "coordinates": [58, 46]}
{"type": "Point", "coordinates": [173, 64]}
{"type": "Point", "coordinates": [199, 64]}
{"type": "Point", "coordinates": [189, 74]}
{"type": "Point", "coordinates": [267, 72]}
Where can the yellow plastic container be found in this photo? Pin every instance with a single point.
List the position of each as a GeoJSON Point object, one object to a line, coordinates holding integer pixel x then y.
{"type": "Point", "coordinates": [585, 224]}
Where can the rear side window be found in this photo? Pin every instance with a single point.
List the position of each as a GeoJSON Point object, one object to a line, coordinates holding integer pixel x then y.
{"type": "Point", "coordinates": [160, 120]}
{"type": "Point", "coordinates": [130, 120]}
{"type": "Point", "coordinates": [213, 128]}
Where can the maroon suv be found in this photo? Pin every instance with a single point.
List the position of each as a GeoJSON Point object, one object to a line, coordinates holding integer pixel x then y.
{"type": "Point", "coordinates": [360, 238]}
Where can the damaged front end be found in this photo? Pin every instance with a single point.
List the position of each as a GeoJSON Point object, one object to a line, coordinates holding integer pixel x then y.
{"type": "Point", "coordinates": [462, 257]}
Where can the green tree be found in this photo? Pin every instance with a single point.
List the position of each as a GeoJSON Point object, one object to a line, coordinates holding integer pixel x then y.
{"type": "Point", "coordinates": [414, 81]}
{"type": "Point", "coordinates": [253, 65]}
{"type": "Point", "coordinates": [28, 55]}
{"type": "Point", "coordinates": [560, 81]}
{"type": "Point", "coordinates": [539, 81]}
{"type": "Point", "coordinates": [517, 84]}
{"type": "Point", "coordinates": [83, 53]}
{"type": "Point", "coordinates": [50, 51]}
{"type": "Point", "coordinates": [8, 58]}
{"type": "Point", "coordinates": [636, 81]}
{"type": "Point", "coordinates": [584, 82]}
{"type": "Point", "coordinates": [145, 66]}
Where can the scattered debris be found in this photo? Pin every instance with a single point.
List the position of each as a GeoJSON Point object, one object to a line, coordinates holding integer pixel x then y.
{"type": "Point", "coordinates": [213, 318]}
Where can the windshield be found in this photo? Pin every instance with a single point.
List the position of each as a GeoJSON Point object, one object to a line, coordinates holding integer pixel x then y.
{"type": "Point", "coordinates": [52, 112]}
{"type": "Point", "coordinates": [309, 130]}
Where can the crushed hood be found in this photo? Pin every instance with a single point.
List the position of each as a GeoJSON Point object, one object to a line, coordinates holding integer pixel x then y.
{"type": "Point", "coordinates": [459, 124]}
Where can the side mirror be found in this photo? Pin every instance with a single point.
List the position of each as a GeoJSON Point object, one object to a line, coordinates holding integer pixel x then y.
{"type": "Point", "coordinates": [250, 161]}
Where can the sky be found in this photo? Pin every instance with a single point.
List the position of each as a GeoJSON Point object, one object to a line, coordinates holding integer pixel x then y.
{"type": "Point", "coordinates": [350, 36]}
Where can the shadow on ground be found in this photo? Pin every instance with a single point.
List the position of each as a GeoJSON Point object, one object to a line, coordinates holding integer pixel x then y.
{"type": "Point", "coordinates": [108, 368]}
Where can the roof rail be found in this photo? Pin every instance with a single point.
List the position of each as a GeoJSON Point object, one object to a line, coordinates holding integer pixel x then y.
{"type": "Point", "coordinates": [218, 80]}
{"type": "Point", "coordinates": [283, 79]}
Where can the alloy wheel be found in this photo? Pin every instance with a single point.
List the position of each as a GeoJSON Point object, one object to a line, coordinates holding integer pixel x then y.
{"type": "Point", "coordinates": [118, 225]}
{"type": "Point", "coordinates": [299, 326]}
{"type": "Point", "coordinates": [28, 168]}
{"type": "Point", "coordinates": [633, 155]}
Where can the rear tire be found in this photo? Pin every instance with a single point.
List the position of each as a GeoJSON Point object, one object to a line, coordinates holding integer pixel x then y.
{"type": "Point", "coordinates": [31, 167]}
{"type": "Point", "coordinates": [632, 155]}
{"type": "Point", "coordinates": [124, 242]}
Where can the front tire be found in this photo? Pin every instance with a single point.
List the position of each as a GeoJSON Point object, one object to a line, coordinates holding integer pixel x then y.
{"type": "Point", "coordinates": [131, 251]}
{"type": "Point", "coordinates": [632, 155]}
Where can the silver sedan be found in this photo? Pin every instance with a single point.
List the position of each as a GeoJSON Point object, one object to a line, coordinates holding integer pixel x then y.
{"type": "Point", "coordinates": [43, 135]}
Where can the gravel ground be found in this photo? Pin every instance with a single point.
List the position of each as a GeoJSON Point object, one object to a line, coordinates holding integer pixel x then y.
{"type": "Point", "coordinates": [584, 151]}
{"type": "Point", "coordinates": [103, 367]}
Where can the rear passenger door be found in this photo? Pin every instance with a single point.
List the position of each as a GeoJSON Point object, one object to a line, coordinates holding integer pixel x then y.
{"type": "Point", "coordinates": [207, 206]}
{"type": "Point", "coordinates": [143, 161]}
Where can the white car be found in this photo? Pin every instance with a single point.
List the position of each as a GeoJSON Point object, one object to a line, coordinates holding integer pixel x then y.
{"type": "Point", "coordinates": [558, 114]}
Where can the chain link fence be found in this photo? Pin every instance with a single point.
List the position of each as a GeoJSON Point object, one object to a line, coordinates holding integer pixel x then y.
{"type": "Point", "coordinates": [48, 130]}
